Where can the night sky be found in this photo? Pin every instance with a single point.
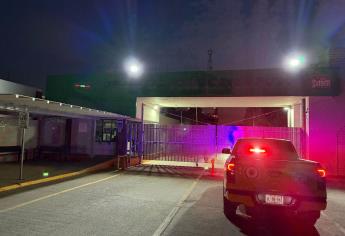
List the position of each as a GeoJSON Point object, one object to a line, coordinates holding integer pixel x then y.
{"type": "Point", "coordinates": [42, 37]}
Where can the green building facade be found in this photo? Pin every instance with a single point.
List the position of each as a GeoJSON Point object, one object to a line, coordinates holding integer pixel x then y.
{"type": "Point", "coordinates": [117, 93]}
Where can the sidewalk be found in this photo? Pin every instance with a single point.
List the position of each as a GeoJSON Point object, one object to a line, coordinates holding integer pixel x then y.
{"type": "Point", "coordinates": [41, 169]}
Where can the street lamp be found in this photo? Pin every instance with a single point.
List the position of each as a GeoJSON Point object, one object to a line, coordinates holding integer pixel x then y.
{"type": "Point", "coordinates": [133, 68]}
{"type": "Point", "coordinates": [295, 62]}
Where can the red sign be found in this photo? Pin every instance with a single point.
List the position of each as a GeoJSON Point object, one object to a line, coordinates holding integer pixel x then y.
{"type": "Point", "coordinates": [321, 82]}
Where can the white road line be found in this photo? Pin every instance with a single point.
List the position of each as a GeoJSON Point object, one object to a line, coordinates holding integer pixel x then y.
{"type": "Point", "coordinates": [340, 228]}
{"type": "Point", "coordinates": [55, 194]}
{"type": "Point", "coordinates": [160, 230]}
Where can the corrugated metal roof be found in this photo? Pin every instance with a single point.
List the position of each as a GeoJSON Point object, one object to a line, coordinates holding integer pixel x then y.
{"type": "Point", "coordinates": [17, 103]}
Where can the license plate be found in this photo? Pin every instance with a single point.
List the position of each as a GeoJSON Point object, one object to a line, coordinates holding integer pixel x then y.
{"type": "Point", "coordinates": [274, 199]}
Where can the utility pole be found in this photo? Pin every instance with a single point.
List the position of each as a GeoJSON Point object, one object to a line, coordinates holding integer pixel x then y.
{"type": "Point", "coordinates": [22, 153]}
{"type": "Point", "coordinates": [23, 123]}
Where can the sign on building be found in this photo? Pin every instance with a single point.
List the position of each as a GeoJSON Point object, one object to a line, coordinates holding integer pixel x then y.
{"type": "Point", "coordinates": [321, 82]}
{"type": "Point", "coordinates": [23, 120]}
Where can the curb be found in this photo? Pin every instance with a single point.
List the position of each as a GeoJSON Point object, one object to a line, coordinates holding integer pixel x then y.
{"type": "Point", "coordinates": [101, 166]}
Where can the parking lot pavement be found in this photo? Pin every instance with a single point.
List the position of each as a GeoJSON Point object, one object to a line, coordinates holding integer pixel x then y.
{"type": "Point", "coordinates": [145, 200]}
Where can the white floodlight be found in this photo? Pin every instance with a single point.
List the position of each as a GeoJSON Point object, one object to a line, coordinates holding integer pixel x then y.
{"type": "Point", "coordinates": [295, 62]}
{"type": "Point", "coordinates": [133, 67]}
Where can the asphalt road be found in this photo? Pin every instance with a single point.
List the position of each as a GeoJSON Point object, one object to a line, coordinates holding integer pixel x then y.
{"type": "Point", "coordinates": [145, 201]}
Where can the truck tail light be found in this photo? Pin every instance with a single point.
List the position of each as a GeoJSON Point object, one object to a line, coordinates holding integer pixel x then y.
{"type": "Point", "coordinates": [321, 172]}
{"type": "Point", "coordinates": [230, 167]}
{"type": "Point", "coordinates": [257, 150]}
{"type": "Point", "coordinates": [230, 170]}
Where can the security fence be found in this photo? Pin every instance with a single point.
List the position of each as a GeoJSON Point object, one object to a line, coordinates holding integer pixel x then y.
{"type": "Point", "coordinates": [198, 143]}
{"type": "Point", "coordinates": [227, 136]}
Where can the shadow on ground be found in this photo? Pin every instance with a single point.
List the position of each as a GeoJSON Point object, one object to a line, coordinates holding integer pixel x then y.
{"type": "Point", "coordinates": [272, 226]}
{"type": "Point", "coordinates": [203, 215]}
{"type": "Point", "coordinates": [173, 171]}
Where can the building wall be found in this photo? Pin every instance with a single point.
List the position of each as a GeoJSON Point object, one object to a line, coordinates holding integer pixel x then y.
{"type": "Point", "coordinates": [10, 135]}
{"type": "Point", "coordinates": [53, 131]}
{"type": "Point", "coordinates": [104, 149]}
{"type": "Point", "coordinates": [83, 140]}
{"type": "Point", "coordinates": [151, 113]}
{"type": "Point", "coordinates": [82, 136]}
{"type": "Point", "coordinates": [297, 115]}
{"type": "Point", "coordinates": [326, 121]}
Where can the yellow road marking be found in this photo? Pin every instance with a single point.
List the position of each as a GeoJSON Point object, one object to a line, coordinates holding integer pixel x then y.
{"type": "Point", "coordinates": [58, 177]}
{"type": "Point", "coordinates": [55, 194]}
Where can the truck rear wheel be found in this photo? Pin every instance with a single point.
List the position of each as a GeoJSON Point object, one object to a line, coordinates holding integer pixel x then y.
{"type": "Point", "coordinates": [229, 208]}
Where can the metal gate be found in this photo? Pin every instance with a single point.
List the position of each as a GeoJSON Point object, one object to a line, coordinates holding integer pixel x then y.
{"type": "Point", "coordinates": [227, 135]}
{"type": "Point", "coordinates": [183, 143]}
{"type": "Point", "coordinates": [200, 143]}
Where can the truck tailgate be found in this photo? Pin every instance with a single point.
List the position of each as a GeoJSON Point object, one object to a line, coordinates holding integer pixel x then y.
{"type": "Point", "coordinates": [285, 177]}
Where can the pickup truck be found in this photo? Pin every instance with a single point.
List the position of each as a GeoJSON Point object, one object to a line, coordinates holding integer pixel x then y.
{"type": "Point", "coordinates": [267, 176]}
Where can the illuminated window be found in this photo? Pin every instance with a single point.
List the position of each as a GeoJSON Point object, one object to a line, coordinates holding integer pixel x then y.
{"type": "Point", "coordinates": [106, 130]}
